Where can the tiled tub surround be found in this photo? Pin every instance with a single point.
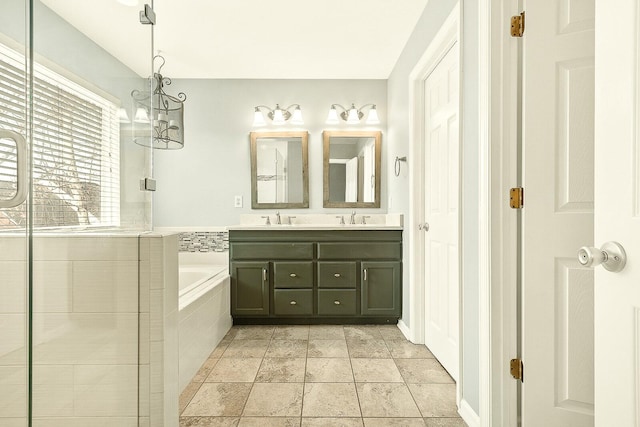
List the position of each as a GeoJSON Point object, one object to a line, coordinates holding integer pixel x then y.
{"type": "Point", "coordinates": [204, 309]}
{"type": "Point", "coordinates": [320, 375]}
{"type": "Point", "coordinates": [203, 241]}
{"type": "Point", "coordinates": [105, 330]}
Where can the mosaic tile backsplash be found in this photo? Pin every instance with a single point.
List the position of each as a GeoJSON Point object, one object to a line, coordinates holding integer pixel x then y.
{"type": "Point", "coordinates": [204, 241]}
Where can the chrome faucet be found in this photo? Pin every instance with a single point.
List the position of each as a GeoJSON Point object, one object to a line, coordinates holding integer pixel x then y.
{"type": "Point", "coordinates": [353, 217]}
{"type": "Point", "coordinates": [278, 220]}
{"type": "Point", "coordinates": [268, 221]}
{"type": "Point", "coordinates": [341, 219]}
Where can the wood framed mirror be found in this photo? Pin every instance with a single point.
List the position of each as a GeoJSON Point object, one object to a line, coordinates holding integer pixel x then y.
{"type": "Point", "coordinates": [351, 169]}
{"type": "Point", "coordinates": [279, 170]}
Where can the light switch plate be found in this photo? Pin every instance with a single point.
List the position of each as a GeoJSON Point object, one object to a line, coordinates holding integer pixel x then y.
{"type": "Point", "coordinates": [237, 202]}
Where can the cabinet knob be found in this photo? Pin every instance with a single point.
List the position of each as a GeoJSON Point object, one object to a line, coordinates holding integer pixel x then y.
{"type": "Point", "coordinates": [293, 275]}
{"type": "Point", "coordinates": [336, 275]}
{"type": "Point", "coordinates": [293, 303]}
{"type": "Point", "coordinates": [336, 302]}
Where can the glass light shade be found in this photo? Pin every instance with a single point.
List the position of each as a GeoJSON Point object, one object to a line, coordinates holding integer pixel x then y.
{"type": "Point", "coordinates": [353, 118]}
{"type": "Point", "coordinates": [332, 118]}
{"type": "Point", "coordinates": [372, 117]}
{"type": "Point", "coordinates": [141, 116]}
{"type": "Point", "coordinates": [123, 117]}
{"type": "Point", "coordinates": [258, 118]}
{"type": "Point", "coordinates": [278, 117]}
{"type": "Point", "coordinates": [296, 118]}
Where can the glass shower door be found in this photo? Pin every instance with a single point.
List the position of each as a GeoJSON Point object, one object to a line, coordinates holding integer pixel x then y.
{"type": "Point", "coordinates": [13, 214]}
{"type": "Point", "coordinates": [70, 311]}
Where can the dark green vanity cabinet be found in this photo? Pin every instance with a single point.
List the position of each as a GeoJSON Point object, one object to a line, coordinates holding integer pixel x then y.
{"type": "Point", "coordinates": [315, 276]}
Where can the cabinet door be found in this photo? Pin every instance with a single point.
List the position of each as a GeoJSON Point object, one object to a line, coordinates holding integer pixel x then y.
{"type": "Point", "coordinates": [381, 294]}
{"type": "Point", "coordinates": [250, 289]}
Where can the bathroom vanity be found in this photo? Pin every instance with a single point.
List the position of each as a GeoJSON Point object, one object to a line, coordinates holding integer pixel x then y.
{"type": "Point", "coordinates": [310, 274]}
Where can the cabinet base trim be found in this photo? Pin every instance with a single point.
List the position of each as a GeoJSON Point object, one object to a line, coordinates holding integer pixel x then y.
{"type": "Point", "coordinates": [315, 321]}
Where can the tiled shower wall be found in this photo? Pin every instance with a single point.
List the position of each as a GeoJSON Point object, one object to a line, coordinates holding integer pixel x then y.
{"type": "Point", "coordinates": [105, 331]}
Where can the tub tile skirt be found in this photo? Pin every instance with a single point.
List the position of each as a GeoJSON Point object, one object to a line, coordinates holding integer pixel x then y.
{"type": "Point", "coordinates": [319, 376]}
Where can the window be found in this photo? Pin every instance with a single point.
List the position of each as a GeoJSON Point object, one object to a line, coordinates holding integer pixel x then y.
{"type": "Point", "coordinates": [76, 151]}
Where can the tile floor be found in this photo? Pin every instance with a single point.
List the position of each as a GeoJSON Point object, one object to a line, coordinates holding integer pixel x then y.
{"type": "Point", "coordinates": [319, 376]}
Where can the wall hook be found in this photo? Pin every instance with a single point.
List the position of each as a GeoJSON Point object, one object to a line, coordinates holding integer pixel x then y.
{"type": "Point", "coordinates": [397, 165]}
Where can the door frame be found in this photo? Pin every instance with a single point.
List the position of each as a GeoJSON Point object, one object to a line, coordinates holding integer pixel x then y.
{"type": "Point", "coordinates": [498, 224]}
{"type": "Point", "coordinates": [448, 35]}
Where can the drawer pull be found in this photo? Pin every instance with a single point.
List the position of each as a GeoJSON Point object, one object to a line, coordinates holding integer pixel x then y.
{"type": "Point", "coordinates": [293, 275]}
{"type": "Point", "coordinates": [336, 275]}
{"type": "Point", "coordinates": [293, 303]}
{"type": "Point", "coordinates": [336, 302]}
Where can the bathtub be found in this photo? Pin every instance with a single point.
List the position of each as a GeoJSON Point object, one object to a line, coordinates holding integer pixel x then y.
{"type": "Point", "coordinates": [204, 309]}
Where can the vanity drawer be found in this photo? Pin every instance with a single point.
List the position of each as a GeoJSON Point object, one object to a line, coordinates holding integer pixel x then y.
{"type": "Point", "coordinates": [293, 302]}
{"type": "Point", "coordinates": [372, 250]}
{"type": "Point", "coordinates": [337, 302]}
{"type": "Point", "coordinates": [271, 251]}
{"type": "Point", "coordinates": [293, 274]}
{"type": "Point", "coordinates": [336, 274]}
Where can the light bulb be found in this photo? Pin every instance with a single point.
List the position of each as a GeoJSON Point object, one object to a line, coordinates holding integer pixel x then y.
{"type": "Point", "coordinates": [141, 116]}
{"type": "Point", "coordinates": [372, 117]}
{"type": "Point", "coordinates": [296, 118]}
{"type": "Point", "coordinates": [258, 118]}
{"type": "Point", "coordinates": [332, 118]}
{"type": "Point", "coordinates": [122, 115]}
{"type": "Point", "coordinates": [353, 118]}
{"type": "Point", "coordinates": [278, 117]}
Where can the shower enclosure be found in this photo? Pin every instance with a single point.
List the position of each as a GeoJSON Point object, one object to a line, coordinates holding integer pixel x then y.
{"type": "Point", "coordinates": [71, 216]}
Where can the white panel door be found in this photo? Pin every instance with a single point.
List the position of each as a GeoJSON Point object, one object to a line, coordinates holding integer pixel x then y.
{"type": "Point", "coordinates": [617, 212]}
{"type": "Point", "coordinates": [557, 152]}
{"type": "Point", "coordinates": [441, 211]}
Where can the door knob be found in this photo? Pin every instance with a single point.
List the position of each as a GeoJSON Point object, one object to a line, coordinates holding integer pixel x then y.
{"type": "Point", "coordinates": [424, 226]}
{"type": "Point", "coordinates": [612, 256]}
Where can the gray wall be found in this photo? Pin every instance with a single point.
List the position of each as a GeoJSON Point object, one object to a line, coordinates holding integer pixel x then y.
{"type": "Point", "coordinates": [398, 145]}
{"type": "Point", "coordinates": [197, 185]}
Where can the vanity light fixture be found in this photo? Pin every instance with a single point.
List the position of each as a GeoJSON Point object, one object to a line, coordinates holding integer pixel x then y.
{"type": "Point", "coordinates": [278, 115]}
{"type": "Point", "coordinates": [352, 115]}
{"type": "Point", "coordinates": [167, 111]}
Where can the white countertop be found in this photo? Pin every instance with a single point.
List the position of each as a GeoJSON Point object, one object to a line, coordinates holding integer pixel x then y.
{"type": "Point", "coordinates": [301, 227]}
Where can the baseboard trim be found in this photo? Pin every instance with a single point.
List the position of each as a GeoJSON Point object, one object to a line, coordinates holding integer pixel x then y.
{"type": "Point", "coordinates": [468, 414]}
{"type": "Point", "coordinates": [404, 329]}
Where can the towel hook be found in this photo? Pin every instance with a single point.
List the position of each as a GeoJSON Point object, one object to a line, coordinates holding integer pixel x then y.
{"type": "Point", "coordinates": [397, 165]}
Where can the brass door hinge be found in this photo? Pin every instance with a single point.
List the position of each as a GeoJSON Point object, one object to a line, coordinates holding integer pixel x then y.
{"type": "Point", "coordinates": [516, 198]}
{"type": "Point", "coordinates": [517, 369]}
{"type": "Point", "coordinates": [517, 25]}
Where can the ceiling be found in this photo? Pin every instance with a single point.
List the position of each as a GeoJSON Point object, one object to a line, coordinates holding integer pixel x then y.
{"type": "Point", "coordinates": [253, 39]}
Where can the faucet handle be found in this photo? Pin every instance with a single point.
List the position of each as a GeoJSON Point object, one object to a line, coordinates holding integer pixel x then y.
{"type": "Point", "coordinates": [268, 221]}
{"type": "Point", "coordinates": [341, 219]}
{"type": "Point", "coordinates": [289, 219]}
{"type": "Point", "coordinates": [364, 219]}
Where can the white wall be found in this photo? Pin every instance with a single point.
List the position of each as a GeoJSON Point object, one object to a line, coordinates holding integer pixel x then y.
{"type": "Point", "coordinates": [197, 185]}
{"type": "Point", "coordinates": [427, 27]}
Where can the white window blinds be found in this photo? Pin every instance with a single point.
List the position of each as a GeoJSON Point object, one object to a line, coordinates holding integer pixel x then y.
{"type": "Point", "coordinates": [75, 152]}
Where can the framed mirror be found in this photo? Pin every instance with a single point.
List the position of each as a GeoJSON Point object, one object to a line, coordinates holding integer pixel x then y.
{"type": "Point", "coordinates": [279, 170]}
{"type": "Point", "coordinates": [352, 169]}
